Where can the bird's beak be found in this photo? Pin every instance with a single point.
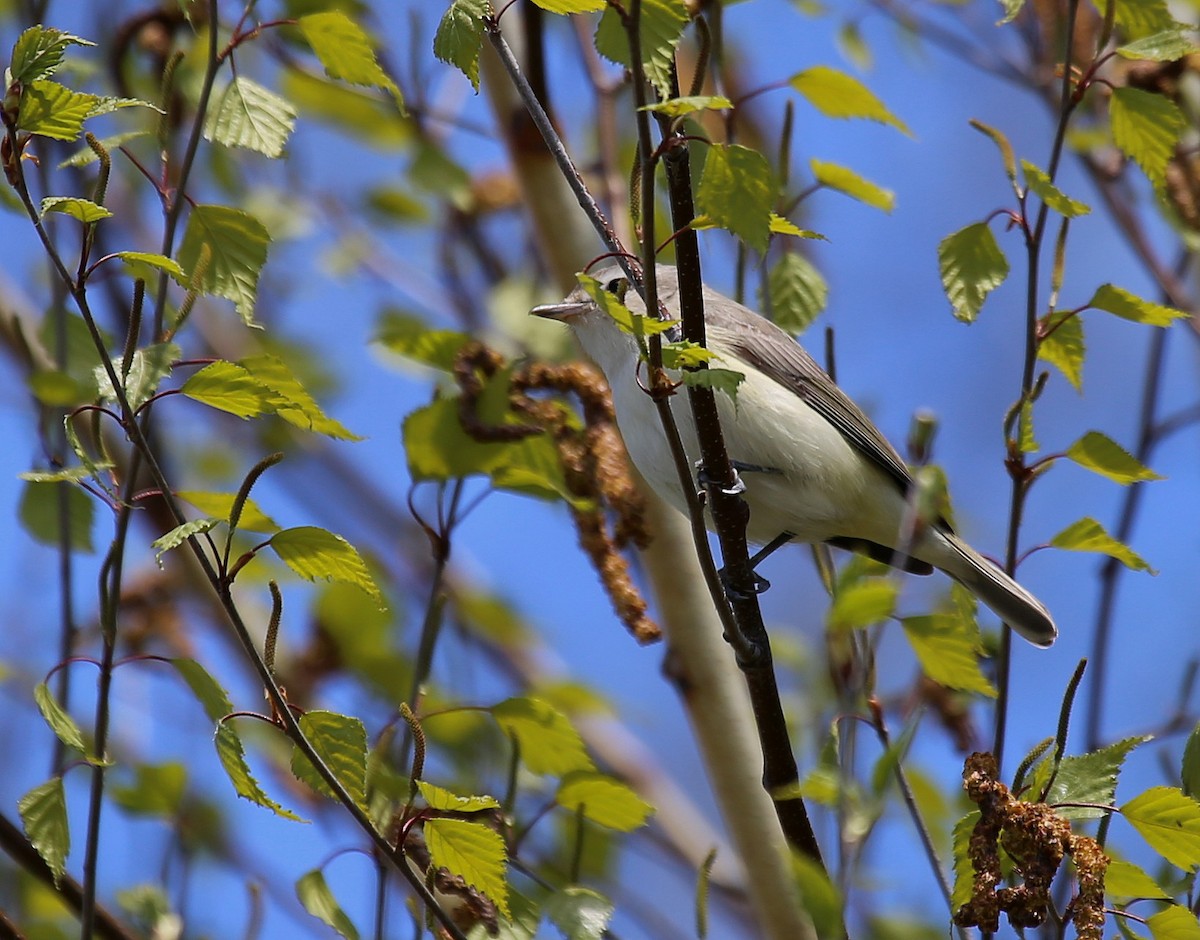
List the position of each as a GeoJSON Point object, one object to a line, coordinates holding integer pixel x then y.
{"type": "Point", "coordinates": [564, 310]}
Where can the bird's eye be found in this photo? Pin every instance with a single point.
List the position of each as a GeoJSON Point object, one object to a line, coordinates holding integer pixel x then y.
{"type": "Point", "coordinates": [617, 287]}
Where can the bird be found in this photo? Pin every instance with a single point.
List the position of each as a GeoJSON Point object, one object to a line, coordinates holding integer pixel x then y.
{"type": "Point", "coordinates": [815, 468]}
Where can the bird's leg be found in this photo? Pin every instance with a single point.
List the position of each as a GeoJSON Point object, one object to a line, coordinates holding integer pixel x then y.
{"type": "Point", "coordinates": [703, 480]}
{"type": "Point", "coordinates": [761, 584]}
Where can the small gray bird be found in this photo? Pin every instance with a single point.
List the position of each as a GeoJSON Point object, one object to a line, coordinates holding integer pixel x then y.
{"type": "Point", "coordinates": [814, 465]}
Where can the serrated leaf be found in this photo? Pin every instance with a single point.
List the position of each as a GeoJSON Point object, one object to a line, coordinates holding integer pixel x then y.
{"type": "Point", "coordinates": [296, 405]}
{"type": "Point", "coordinates": [40, 509]}
{"type": "Point", "coordinates": [209, 693]}
{"type": "Point", "coordinates": [796, 292]}
{"type": "Point", "coordinates": [548, 742]}
{"type": "Point", "coordinates": [579, 913]}
{"type": "Point", "coordinates": [157, 790]}
{"type": "Point", "coordinates": [148, 367]}
{"type": "Point", "coordinates": [1011, 10]}
{"type": "Point", "coordinates": [604, 800]}
{"type": "Point", "coordinates": [778, 226]}
{"type": "Point", "coordinates": [863, 603]}
{"type": "Point", "coordinates": [1118, 301]}
{"type": "Point", "coordinates": [1170, 45]}
{"type": "Point", "coordinates": [1189, 771]}
{"type": "Point", "coordinates": [1064, 348]}
{"type": "Point", "coordinates": [345, 50]}
{"type": "Point", "coordinates": [180, 534]}
{"type": "Point", "coordinates": [471, 850]}
{"type": "Point", "coordinates": [1146, 127]}
{"type": "Point", "coordinates": [1175, 922]}
{"type": "Point", "coordinates": [839, 95]}
{"type": "Point", "coordinates": [737, 192]}
{"type": "Point", "coordinates": [1088, 535]}
{"type": "Point", "coordinates": [145, 265]}
{"type": "Point", "coordinates": [1138, 19]}
{"type": "Point", "coordinates": [447, 801]}
{"type": "Point", "coordinates": [635, 324]}
{"type": "Point", "coordinates": [53, 110]}
{"type": "Point", "coordinates": [1006, 151]}
{"type": "Point", "coordinates": [237, 243]}
{"type": "Point", "coordinates": [61, 723]}
{"type": "Point", "coordinates": [964, 873]}
{"type": "Point", "coordinates": [1102, 455]}
{"type": "Point", "coordinates": [84, 210]}
{"type": "Point", "coordinates": [219, 505]}
{"type": "Point", "coordinates": [1125, 880]}
{"type": "Point", "coordinates": [1041, 185]}
{"type": "Point", "coordinates": [313, 893]}
{"type": "Point", "coordinates": [725, 381]}
{"type": "Point", "coordinates": [226, 386]}
{"type": "Point", "coordinates": [1026, 440]}
{"type": "Point", "coordinates": [410, 336]}
{"type": "Point", "coordinates": [1169, 822]}
{"type": "Point", "coordinates": [661, 27]}
{"type": "Point", "coordinates": [844, 180]}
{"type": "Point", "coordinates": [681, 107]}
{"type": "Point", "coordinates": [44, 815]}
{"type": "Point", "coordinates": [318, 555]}
{"type": "Point", "coordinates": [947, 647]}
{"type": "Point", "coordinates": [233, 758]}
{"type": "Point", "coordinates": [39, 51]}
{"type": "Point", "coordinates": [247, 115]}
{"type": "Point", "coordinates": [66, 475]}
{"type": "Point", "coordinates": [341, 742]}
{"type": "Point", "coordinates": [1090, 778]}
{"type": "Point", "coordinates": [686, 355]}
{"type": "Point", "coordinates": [570, 6]}
{"type": "Point", "coordinates": [459, 37]}
{"type": "Point", "coordinates": [85, 156]}
{"type": "Point", "coordinates": [972, 266]}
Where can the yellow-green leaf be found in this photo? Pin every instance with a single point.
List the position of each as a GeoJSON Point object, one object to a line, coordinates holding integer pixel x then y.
{"type": "Point", "coordinates": [410, 336]}
{"type": "Point", "coordinates": [579, 913]}
{"type": "Point", "coordinates": [247, 115]}
{"type": "Point", "coordinates": [863, 603]}
{"type": "Point", "coordinates": [237, 243]}
{"type": "Point", "coordinates": [1118, 301]}
{"type": "Point", "coordinates": [82, 209]}
{"type": "Point", "coordinates": [1064, 348]}
{"type": "Point", "coordinates": [345, 50]}
{"type": "Point", "coordinates": [253, 519]}
{"type": "Point", "coordinates": [233, 760]}
{"type": "Point", "coordinates": [1139, 19]}
{"type": "Point", "coordinates": [1169, 822]}
{"type": "Point", "coordinates": [1026, 440]}
{"type": "Point", "coordinates": [318, 555]}
{"type": "Point", "coordinates": [209, 693]}
{"type": "Point", "coordinates": [570, 6]}
{"type": "Point", "coordinates": [459, 37]}
{"type": "Point", "coordinates": [661, 27]}
{"type": "Point", "coordinates": [844, 180]}
{"type": "Point", "coordinates": [341, 742]}
{"type": "Point", "coordinates": [947, 647]}
{"type": "Point", "coordinates": [40, 514]}
{"type": "Point", "coordinates": [548, 742]}
{"type": "Point", "coordinates": [145, 265]}
{"type": "Point", "coordinates": [1124, 880]}
{"type": "Point", "coordinates": [737, 192]}
{"type": "Point", "coordinates": [228, 387]}
{"type": "Point", "coordinates": [635, 324]}
{"type": "Point", "coordinates": [1103, 455]}
{"type": "Point", "coordinates": [1088, 535]}
{"type": "Point", "coordinates": [313, 893]}
{"type": "Point", "coordinates": [43, 813]}
{"type": "Point", "coordinates": [796, 292]}
{"type": "Point", "coordinates": [1006, 151]}
{"type": "Point", "coordinates": [39, 51]}
{"type": "Point", "coordinates": [604, 800]}
{"type": "Point", "coordinates": [53, 110]}
{"type": "Point", "coordinates": [296, 405]}
{"type": "Point", "coordinates": [1146, 127]}
{"type": "Point", "coordinates": [681, 107]}
{"type": "Point", "coordinates": [471, 850]}
{"type": "Point", "coordinates": [838, 95]}
{"type": "Point", "coordinates": [1169, 45]}
{"type": "Point", "coordinates": [180, 534]}
{"type": "Point", "coordinates": [778, 226]}
{"type": "Point", "coordinates": [60, 722]}
{"type": "Point", "coordinates": [1175, 922]}
{"type": "Point", "coordinates": [972, 266]}
{"type": "Point", "coordinates": [446, 801]}
{"type": "Point", "coordinates": [1040, 184]}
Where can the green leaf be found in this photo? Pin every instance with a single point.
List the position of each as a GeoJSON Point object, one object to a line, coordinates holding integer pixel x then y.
{"type": "Point", "coordinates": [44, 815]}
{"type": "Point", "coordinates": [39, 514]}
{"type": "Point", "coordinates": [233, 759]}
{"type": "Point", "coordinates": [209, 693]}
{"type": "Point", "coordinates": [947, 647]}
{"type": "Point", "coordinates": [1118, 301]}
{"type": "Point", "coordinates": [85, 156]}
{"type": "Point", "coordinates": [737, 192]}
{"type": "Point", "coordinates": [838, 95]}
{"type": "Point", "coordinates": [180, 534]}
{"type": "Point", "coordinates": [471, 850]}
{"type": "Point", "coordinates": [570, 6]}
{"type": "Point", "coordinates": [972, 266]}
{"type": "Point", "coordinates": [1090, 778]}
{"type": "Point", "coordinates": [686, 355]}
{"type": "Point", "coordinates": [635, 324]}
{"type": "Point", "coordinates": [410, 336]}
{"type": "Point", "coordinates": [1138, 19]}
{"type": "Point", "coordinates": [1001, 142]}
{"type": "Point", "coordinates": [661, 27]}
{"type": "Point", "coordinates": [364, 116]}
{"type": "Point", "coordinates": [145, 265]}
{"type": "Point", "coordinates": [345, 50]}
{"type": "Point", "coordinates": [1125, 880]}
{"type": "Point", "coordinates": [822, 900]}
{"type": "Point", "coordinates": [844, 180]}
{"type": "Point", "coordinates": [296, 405]}
{"type": "Point", "coordinates": [446, 801]}
{"type": "Point", "coordinates": [157, 790]}
{"type": "Point", "coordinates": [247, 115]}
{"type": "Point", "coordinates": [459, 37]}
{"type": "Point", "coordinates": [1040, 184]}
{"type": "Point", "coordinates": [1189, 771]}
{"type": "Point", "coordinates": [53, 110]}
{"type": "Point", "coordinates": [778, 226]}
{"type": "Point", "coordinates": [84, 210]}
{"type": "Point", "coordinates": [61, 723]}
{"type": "Point", "coordinates": [219, 506]}
{"type": "Point", "coordinates": [1102, 455]}
{"type": "Point", "coordinates": [1174, 923]}
{"type": "Point", "coordinates": [725, 381]}
{"type": "Point", "coordinates": [58, 390]}
{"type": "Point", "coordinates": [1011, 9]}
{"type": "Point", "coordinates": [148, 367]}
{"type": "Point", "coordinates": [1146, 127]}
{"type": "Point", "coordinates": [39, 51]}
{"type": "Point", "coordinates": [681, 107]}
{"type": "Point", "coordinates": [1170, 45]}
{"type": "Point", "coordinates": [796, 292]}
{"type": "Point", "coordinates": [1065, 347]}
{"type": "Point", "coordinates": [603, 799]}
{"type": "Point", "coordinates": [579, 913]}
{"type": "Point", "coordinates": [318, 555]}
{"type": "Point", "coordinates": [1169, 822]}
{"type": "Point", "coordinates": [318, 900]}
{"type": "Point", "coordinates": [964, 873]}
{"type": "Point", "coordinates": [1026, 441]}
{"type": "Point", "coordinates": [228, 387]}
{"type": "Point", "coordinates": [66, 475]}
{"type": "Point", "coordinates": [548, 742]}
{"type": "Point", "coordinates": [1088, 535]}
{"type": "Point", "coordinates": [863, 603]}
{"type": "Point", "coordinates": [341, 742]}
{"type": "Point", "coordinates": [237, 243]}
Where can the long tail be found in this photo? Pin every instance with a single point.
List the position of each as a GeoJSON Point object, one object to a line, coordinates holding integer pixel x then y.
{"type": "Point", "coordinates": [1011, 602]}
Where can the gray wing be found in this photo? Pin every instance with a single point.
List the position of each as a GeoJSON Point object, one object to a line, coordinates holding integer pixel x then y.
{"type": "Point", "coordinates": [765, 346]}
